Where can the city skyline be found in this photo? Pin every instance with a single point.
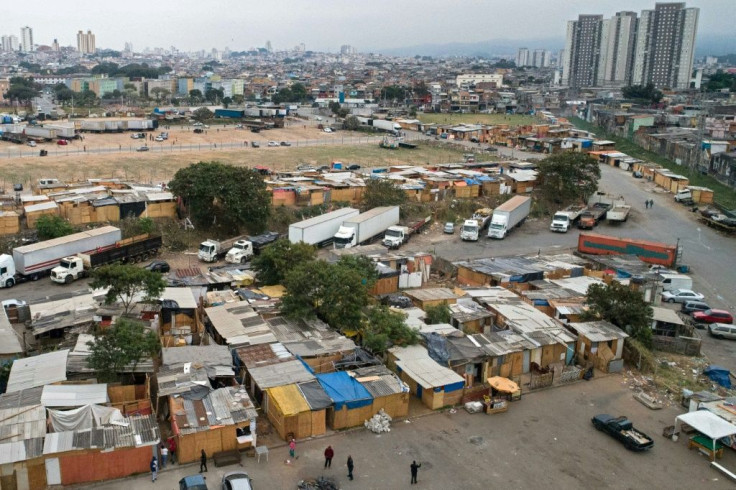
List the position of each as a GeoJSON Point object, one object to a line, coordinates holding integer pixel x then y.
{"type": "Point", "coordinates": [326, 27]}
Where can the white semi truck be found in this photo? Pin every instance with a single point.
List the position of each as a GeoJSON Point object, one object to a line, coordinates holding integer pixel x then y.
{"type": "Point", "coordinates": [30, 262]}
{"type": "Point", "coordinates": [470, 230]}
{"type": "Point", "coordinates": [212, 250]}
{"type": "Point", "coordinates": [509, 215]}
{"type": "Point", "coordinates": [321, 229]}
{"type": "Point", "coordinates": [366, 226]}
{"type": "Point", "coordinates": [384, 125]}
{"type": "Point", "coordinates": [563, 220]}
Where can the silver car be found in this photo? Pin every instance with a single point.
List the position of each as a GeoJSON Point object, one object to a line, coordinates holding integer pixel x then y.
{"type": "Point", "coordinates": [236, 480]}
{"type": "Point", "coordinates": [449, 228]}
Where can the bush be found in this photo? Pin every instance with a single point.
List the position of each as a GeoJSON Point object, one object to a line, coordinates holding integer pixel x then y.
{"type": "Point", "coordinates": [51, 226]}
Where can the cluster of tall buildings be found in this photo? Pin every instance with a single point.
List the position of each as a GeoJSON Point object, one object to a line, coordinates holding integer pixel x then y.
{"type": "Point", "coordinates": [656, 47]}
{"type": "Point", "coordinates": [539, 58]}
{"type": "Point", "coordinates": [86, 42]}
{"type": "Point", "coordinates": [24, 44]}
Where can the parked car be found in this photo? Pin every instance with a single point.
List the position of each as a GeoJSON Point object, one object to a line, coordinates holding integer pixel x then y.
{"type": "Point", "coordinates": [32, 144]}
{"type": "Point", "coordinates": [323, 168]}
{"type": "Point", "coordinates": [236, 480]}
{"type": "Point", "coordinates": [142, 148]}
{"type": "Point", "coordinates": [238, 126]}
{"type": "Point", "coordinates": [62, 142]}
{"type": "Point", "coordinates": [713, 316]}
{"type": "Point", "coordinates": [9, 303]}
{"type": "Point", "coordinates": [354, 166]}
{"type": "Point", "coordinates": [193, 482]}
{"type": "Point", "coordinates": [159, 138]}
{"type": "Point", "coordinates": [396, 300]}
{"type": "Point", "coordinates": [327, 130]}
{"type": "Point", "coordinates": [272, 143]}
{"type": "Point", "coordinates": [285, 143]}
{"type": "Point", "coordinates": [158, 266]}
{"type": "Point", "coordinates": [255, 144]}
{"type": "Point", "coordinates": [304, 168]}
{"type": "Point", "coordinates": [317, 118]}
{"type": "Point", "coordinates": [722, 331]}
{"type": "Point", "coordinates": [198, 130]}
{"type": "Point", "coordinates": [449, 228]}
{"type": "Point", "coordinates": [637, 174]}
{"type": "Point", "coordinates": [690, 307]}
{"type": "Point", "coordinates": [622, 429]}
{"type": "Point", "coordinates": [681, 295]}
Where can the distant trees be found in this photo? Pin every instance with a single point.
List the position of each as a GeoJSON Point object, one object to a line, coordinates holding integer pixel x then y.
{"type": "Point", "coordinates": [202, 114]}
{"type": "Point", "coordinates": [212, 95]}
{"type": "Point", "coordinates": [720, 80]}
{"type": "Point", "coordinates": [22, 90]}
{"type": "Point", "coordinates": [645, 93]}
{"type": "Point", "coordinates": [351, 123]}
{"type": "Point", "coordinates": [160, 93]}
{"type": "Point", "coordinates": [382, 192]}
{"type": "Point", "coordinates": [621, 306]}
{"type": "Point", "coordinates": [569, 177]}
{"type": "Point", "coordinates": [296, 93]}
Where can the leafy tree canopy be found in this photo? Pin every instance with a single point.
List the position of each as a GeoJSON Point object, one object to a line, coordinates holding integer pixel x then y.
{"type": "Point", "coordinates": [202, 114]}
{"type": "Point", "coordinates": [128, 283]}
{"type": "Point", "coordinates": [569, 177]}
{"type": "Point", "coordinates": [385, 328]}
{"type": "Point", "coordinates": [720, 80]}
{"type": "Point", "coordinates": [438, 314]}
{"type": "Point", "coordinates": [51, 226]}
{"type": "Point", "coordinates": [272, 264]}
{"type": "Point", "coordinates": [621, 306]}
{"type": "Point", "coordinates": [382, 192]}
{"type": "Point", "coordinates": [643, 92]}
{"type": "Point", "coordinates": [224, 196]}
{"type": "Point", "coordinates": [125, 343]}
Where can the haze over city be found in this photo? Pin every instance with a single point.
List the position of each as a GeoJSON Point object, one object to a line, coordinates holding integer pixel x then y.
{"type": "Point", "coordinates": [380, 25]}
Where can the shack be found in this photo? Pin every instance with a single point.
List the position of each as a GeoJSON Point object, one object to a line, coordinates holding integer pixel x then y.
{"type": "Point", "coordinates": [600, 342]}
{"type": "Point", "coordinates": [352, 403]}
{"type": "Point", "coordinates": [298, 410]}
{"type": "Point", "coordinates": [423, 298]}
{"type": "Point", "coordinates": [388, 391]}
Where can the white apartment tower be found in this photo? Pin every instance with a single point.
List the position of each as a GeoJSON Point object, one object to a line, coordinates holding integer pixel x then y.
{"type": "Point", "coordinates": [26, 39]}
{"type": "Point", "coordinates": [617, 50]}
{"type": "Point", "coordinates": [10, 43]}
{"type": "Point", "coordinates": [522, 57]}
{"type": "Point", "coordinates": [86, 42]}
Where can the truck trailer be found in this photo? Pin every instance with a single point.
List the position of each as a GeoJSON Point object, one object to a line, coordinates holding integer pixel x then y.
{"type": "Point", "coordinates": [563, 220]}
{"type": "Point", "coordinates": [243, 250]}
{"type": "Point", "coordinates": [40, 132]}
{"type": "Point", "coordinates": [212, 250]}
{"type": "Point", "coordinates": [398, 235]}
{"type": "Point", "coordinates": [384, 125]}
{"type": "Point", "coordinates": [509, 215]}
{"type": "Point", "coordinates": [366, 226]}
{"type": "Point", "coordinates": [321, 229]}
{"type": "Point", "coordinates": [650, 252]}
{"type": "Point", "coordinates": [33, 261]}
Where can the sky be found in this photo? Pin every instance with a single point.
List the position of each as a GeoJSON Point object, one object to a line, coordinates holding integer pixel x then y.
{"type": "Point", "coordinates": [322, 25]}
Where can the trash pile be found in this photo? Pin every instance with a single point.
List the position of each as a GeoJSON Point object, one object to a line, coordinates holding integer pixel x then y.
{"type": "Point", "coordinates": [380, 422]}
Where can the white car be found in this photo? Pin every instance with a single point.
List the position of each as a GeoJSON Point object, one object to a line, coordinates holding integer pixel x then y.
{"type": "Point", "coordinates": [159, 138]}
{"type": "Point", "coordinates": [272, 143]}
{"type": "Point", "coordinates": [317, 118]}
{"type": "Point", "coordinates": [681, 295]}
{"type": "Point", "coordinates": [8, 303]}
{"type": "Point", "coordinates": [327, 130]}
{"type": "Point", "coordinates": [32, 144]}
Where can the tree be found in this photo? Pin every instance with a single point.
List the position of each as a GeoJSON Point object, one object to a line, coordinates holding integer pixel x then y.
{"type": "Point", "coordinates": [160, 93]}
{"type": "Point", "coordinates": [343, 112]}
{"type": "Point", "coordinates": [382, 192]}
{"type": "Point", "coordinates": [226, 101]}
{"type": "Point", "coordinates": [569, 177]}
{"type": "Point", "coordinates": [642, 92]}
{"type": "Point", "coordinates": [304, 283]}
{"type": "Point", "coordinates": [62, 92]}
{"type": "Point", "coordinates": [51, 226]}
{"type": "Point", "coordinates": [438, 314]}
{"type": "Point", "coordinates": [385, 328]}
{"type": "Point", "coordinates": [334, 107]}
{"type": "Point", "coordinates": [272, 264]}
{"type": "Point", "coordinates": [202, 114]}
{"type": "Point", "coordinates": [238, 99]}
{"type": "Point", "coordinates": [223, 195]}
{"type": "Point", "coordinates": [22, 90]}
{"type": "Point", "coordinates": [720, 80]}
{"type": "Point", "coordinates": [621, 306]}
{"type": "Point", "coordinates": [127, 284]}
{"type": "Point", "coordinates": [123, 344]}
{"type": "Point", "coordinates": [351, 123]}
{"type": "Point", "coordinates": [195, 95]}
{"type": "Point", "coordinates": [214, 94]}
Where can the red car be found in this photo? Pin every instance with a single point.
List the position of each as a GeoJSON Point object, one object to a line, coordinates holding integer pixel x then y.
{"type": "Point", "coordinates": [713, 316]}
{"type": "Point", "coordinates": [62, 142]}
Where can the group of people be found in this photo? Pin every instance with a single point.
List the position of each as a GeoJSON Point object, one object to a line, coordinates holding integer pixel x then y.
{"type": "Point", "coordinates": [649, 203]}
{"type": "Point", "coordinates": [165, 450]}
{"type": "Point", "coordinates": [330, 453]}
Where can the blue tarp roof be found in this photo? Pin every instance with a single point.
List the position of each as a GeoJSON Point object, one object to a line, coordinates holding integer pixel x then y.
{"type": "Point", "coordinates": [344, 390]}
{"type": "Point", "coordinates": [718, 374]}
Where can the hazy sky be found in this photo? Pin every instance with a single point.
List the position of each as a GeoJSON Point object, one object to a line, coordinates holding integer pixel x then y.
{"type": "Point", "coordinates": [323, 25]}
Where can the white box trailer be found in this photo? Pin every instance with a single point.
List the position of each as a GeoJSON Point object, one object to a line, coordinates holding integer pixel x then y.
{"type": "Point", "coordinates": [63, 131]}
{"type": "Point", "coordinates": [366, 226]}
{"type": "Point", "coordinates": [38, 258]}
{"type": "Point", "coordinates": [136, 124]}
{"type": "Point", "coordinates": [40, 132]}
{"type": "Point", "coordinates": [93, 125]}
{"type": "Point", "coordinates": [115, 126]}
{"type": "Point", "coordinates": [320, 229]}
{"type": "Point", "coordinates": [509, 215]}
{"type": "Point", "coordinates": [384, 125]}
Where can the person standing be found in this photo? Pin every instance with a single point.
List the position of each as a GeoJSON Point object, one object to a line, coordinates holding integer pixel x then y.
{"type": "Point", "coordinates": [203, 462]}
{"type": "Point", "coordinates": [164, 455]}
{"type": "Point", "coordinates": [154, 469]}
{"type": "Point", "coordinates": [329, 454]}
{"type": "Point", "coordinates": [350, 467]}
{"type": "Point", "coordinates": [414, 471]}
{"type": "Point", "coordinates": [172, 449]}
{"type": "Point", "coordinates": [651, 203]}
{"type": "Point", "coordinates": [646, 204]}
{"type": "Point", "coordinates": [292, 448]}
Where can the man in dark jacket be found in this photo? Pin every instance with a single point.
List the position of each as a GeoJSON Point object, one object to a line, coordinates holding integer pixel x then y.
{"type": "Point", "coordinates": [203, 462]}
{"type": "Point", "coordinates": [414, 470]}
{"type": "Point", "coordinates": [329, 454]}
{"type": "Point", "coordinates": [350, 467]}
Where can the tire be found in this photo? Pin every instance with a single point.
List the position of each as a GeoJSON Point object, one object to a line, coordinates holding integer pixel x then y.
{"type": "Point", "coordinates": [10, 283]}
{"type": "Point", "coordinates": [243, 260]}
{"type": "Point", "coordinates": [671, 300]}
{"type": "Point", "coordinates": [68, 279]}
{"type": "Point", "coordinates": [35, 277]}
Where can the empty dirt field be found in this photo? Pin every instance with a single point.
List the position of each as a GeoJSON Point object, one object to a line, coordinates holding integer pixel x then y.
{"type": "Point", "coordinates": [445, 118]}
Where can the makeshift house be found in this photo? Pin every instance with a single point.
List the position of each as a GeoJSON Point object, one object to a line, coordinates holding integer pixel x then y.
{"type": "Point", "coordinates": [223, 420]}
{"type": "Point", "coordinates": [666, 322]}
{"type": "Point", "coordinates": [74, 395]}
{"type": "Point", "coordinates": [352, 403]}
{"type": "Point", "coordinates": [459, 353]}
{"type": "Point", "coordinates": [160, 205]}
{"type": "Point", "coordinates": [298, 410]}
{"type": "Point", "coordinates": [55, 318]}
{"type": "Point", "coordinates": [35, 211]}
{"type": "Point", "coordinates": [469, 317]}
{"type": "Point", "coordinates": [178, 321]}
{"type": "Point", "coordinates": [437, 386]}
{"type": "Point", "coordinates": [10, 347]}
{"type": "Point", "coordinates": [77, 366]}
{"type": "Point", "coordinates": [600, 342]}
{"type": "Point", "coordinates": [422, 298]}
{"type": "Point", "coordinates": [9, 223]}
{"type": "Point", "coordinates": [39, 370]}
{"type": "Point", "coordinates": [389, 393]}
{"type": "Point", "coordinates": [508, 352]}
{"type": "Point", "coordinates": [21, 440]}
{"type": "Point", "coordinates": [237, 324]}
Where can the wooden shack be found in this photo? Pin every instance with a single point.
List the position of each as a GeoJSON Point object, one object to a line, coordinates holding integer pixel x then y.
{"type": "Point", "coordinates": [389, 393]}
{"type": "Point", "coordinates": [701, 195]}
{"type": "Point", "coordinates": [352, 403]}
{"type": "Point", "coordinates": [35, 211]}
{"type": "Point", "coordinates": [160, 205]}
{"type": "Point", "coordinates": [9, 223]}
{"type": "Point", "coordinates": [423, 298]}
{"type": "Point", "coordinates": [293, 414]}
{"type": "Point", "coordinates": [670, 181]}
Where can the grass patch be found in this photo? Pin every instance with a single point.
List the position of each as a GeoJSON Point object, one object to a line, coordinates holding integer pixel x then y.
{"type": "Point", "coordinates": [723, 195]}
{"type": "Point", "coordinates": [490, 119]}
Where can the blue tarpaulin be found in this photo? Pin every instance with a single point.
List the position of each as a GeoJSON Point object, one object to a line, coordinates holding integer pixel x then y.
{"type": "Point", "coordinates": [719, 374]}
{"type": "Point", "coordinates": [344, 390]}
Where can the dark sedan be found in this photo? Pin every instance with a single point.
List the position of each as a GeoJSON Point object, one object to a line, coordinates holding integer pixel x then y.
{"type": "Point", "coordinates": [158, 266]}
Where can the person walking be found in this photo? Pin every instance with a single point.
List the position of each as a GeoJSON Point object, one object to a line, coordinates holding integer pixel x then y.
{"type": "Point", "coordinates": [172, 449]}
{"type": "Point", "coordinates": [350, 467]}
{"type": "Point", "coordinates": [414, 471]}
{"type": "Point", "coordinates": [292, 448]}
{"type": "Point", "coordinates": [646, 204]}
{"type": "Point", "coordinates": [651, 203]}
{"type": "Point", "coordinates": [164, 455]}
{"type": "Point", "coordinates": [203, 462]}
{"type": "Point", "coordinates": [329, 454]}
{"type": "Point", "coordinates": [154, 469]}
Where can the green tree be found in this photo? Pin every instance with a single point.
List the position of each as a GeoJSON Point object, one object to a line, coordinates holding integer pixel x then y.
{"type": "Point", "coordinates": [226, 101]}
{"type": "Point", "coordinates": [621, 306]}
{"type": "Point", "coordinates": [569, 177]}
{"type": "Point", "coordinates": [438, 314]}
{"type": "Point", "coordinates": [351, 123]}
{"type": "Point", "coordinates": [202, 114]}
{"type": "Point", "coordinates": [642, 92]}
{"type": "Point", "coordinates": [382, 192]}
{"type": "Point", "coordinates": [214, 94]}
{"type": "Point", "coordinates": [63, 93]}
{"type": "Point", "coordinates": [195, 95]}
{"type": "Point", "coordinates": [238, 99]}
{"type": "Point", "coordinates": [385, 328]}
{"type": "Point", "coordinates": [272, 264]}
{"type": "Point", "coordinates": [334, 107]}
{"type": "Point", "coordinates": [160, 93]}
{"type": "Point", "coordinates": [124, 344]}
{"type": "Point", "coordinates": [127, 284]}
{"type": "Point", "coordinates": [22, 90]}
{"type": "Point", "coordinates": [720, 80]}
{"type": "Point", "coordinates": [343, 112]}
{"type": "Point", "coordinates": [222, 195]}
{"type": "Point", "coordinates": [51, 226]}
{"type": "Point", "coordinates": [304, 285]}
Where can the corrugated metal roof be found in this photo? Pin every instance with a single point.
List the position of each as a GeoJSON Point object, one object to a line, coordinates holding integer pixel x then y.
{"type": "Point", "coordinates": [22, 398]}
{"type": "Point", "coordinates": [184, 297]}
{"type": "Point", "coordinates": [239, 324]}
{"type": "Point", "coordinates": [598, 331]}
{"type": "Point", "coordinates": [172, 381]}
{"type": "Point", "coordinates": [141, 430]}
{"type": "Point", "coordinates": [22, 423]}
{"type": "Point", "coordinates": [74, 395]}
{"type": "Point", "coordinates": [224, 406]}
{"type": "Point", "coordinates": [38, 370]}
{"type": "Point", "coordinates": [431, 294]}
{"type": "Point", "coordinates": [9, 341]}
{"type": "Point", "coordinates": [41, 206]}
{"type": "Point", "coordinates": [286, 373]}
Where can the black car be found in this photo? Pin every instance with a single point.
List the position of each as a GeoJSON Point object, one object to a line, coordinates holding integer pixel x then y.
{"type": "Point", "coordinates": [158, 266]}
{"type": "Point", "coordinates": [354, 166]}
{"type": "Point", "coordinates": [690, 307]}
{"type": "Point", "coordinates": [396, 300]}
{"type": "Point", "coordinates": [255, 144]}
{"type": "Point", "coordinates": [285, 143]}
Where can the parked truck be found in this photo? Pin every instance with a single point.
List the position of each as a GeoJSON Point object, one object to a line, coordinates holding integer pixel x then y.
{"type": "Point", "coordinates": [622, 429]}
{"type": "Point", "coordinates": [397, 235]}
{"type": "Point", "coordinates": [94, 126]}
{"type": "Point", "coordinates": [212, 250]}
{"type": "Point", "coordinates": [138, 124]}
{"type": "Point", "coordinates": [470, 230]}
{"type": "Point", "coordinates": [565, 219]}
{"type": "Point", "coordinates": [63, 131]}
{"type": "Point", "coordinates": [619, 213]}
{"type": "Point", "coordinates": [40, 132]}
{"type": "Point", "coordinates": [650, 252]}
{"type": "Point", "coordinates": [30, 262]}
{"type": "Point", "coordinates": [508, 215]}
{"type": "Point", "coordinates": [321, 229]}
{"type": "Point", "coordinates": [244, 250]}
{"type": "Point", "coordinates": [124, 252]}
{"type": "Point", "coordinates": [366, 226]}
{"type": "Point", "coordinates": [384, 125]}
{"type": "Point", "coordinates": [593, 215]}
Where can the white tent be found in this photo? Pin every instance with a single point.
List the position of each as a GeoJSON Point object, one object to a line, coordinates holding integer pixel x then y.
{"type": "Point", "coordinates": [707, 423]}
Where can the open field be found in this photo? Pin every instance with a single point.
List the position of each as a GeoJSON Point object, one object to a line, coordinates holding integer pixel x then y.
{"type": "Point", "coordinates": [511, 120]}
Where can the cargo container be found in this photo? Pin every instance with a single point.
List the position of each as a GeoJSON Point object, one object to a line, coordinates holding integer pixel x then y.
{"type": "Point", "coordinates": [66, 132]}
{"type": "Point", "coordinates": [383, 125]}
{"type": "Point", "coordinates": [230, 113]}
{"type": "Point", "coordinates": [650, 252]}
{"type": "Point", "coordinates": [321, 229]}
{"type": "Point", "coordinates": [138, 124]}
{"type": "Point", "coordinates": [115, 126]}
{"type": "Point", "coordinates": [366, 226]}
{"type": "Point", "coordinates": [40, 132]}
{"type": "Point", "coordinates": [94, 126]}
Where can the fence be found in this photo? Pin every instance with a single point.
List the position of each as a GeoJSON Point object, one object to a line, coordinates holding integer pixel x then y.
{"type": "Point", "coordinates": [689, 346]}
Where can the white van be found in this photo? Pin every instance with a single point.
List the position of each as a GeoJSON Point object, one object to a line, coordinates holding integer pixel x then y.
{"type": "Point", "coordinates": [670, 282]}
{"type": "Point", "coordinates": [722, 331]}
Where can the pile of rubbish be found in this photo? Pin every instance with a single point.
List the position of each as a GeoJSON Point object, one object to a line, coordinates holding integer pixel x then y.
{"type": "Point", "coordinates": [321, 483]}
{"type": "Point", "coordinates": [380, 422]}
